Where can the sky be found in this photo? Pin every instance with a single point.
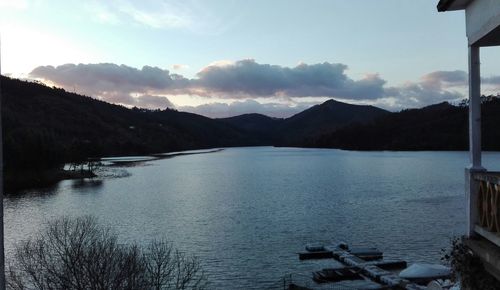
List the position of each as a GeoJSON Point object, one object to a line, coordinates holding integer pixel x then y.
{"type": "Point", "coordinates": [222, 58]}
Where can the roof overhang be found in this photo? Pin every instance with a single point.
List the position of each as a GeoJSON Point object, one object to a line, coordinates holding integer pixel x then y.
{"type": "Point", "coordinates": [449, 5]}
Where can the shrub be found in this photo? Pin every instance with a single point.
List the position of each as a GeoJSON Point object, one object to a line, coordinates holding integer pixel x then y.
{"type": "Point", "coordinates": [468, 267]}
{"type": "Point", "coordinates": [81, 254]}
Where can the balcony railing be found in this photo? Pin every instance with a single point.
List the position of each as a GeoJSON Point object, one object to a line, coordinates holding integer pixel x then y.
{"type": "Point", "coordinates": [488, 195]}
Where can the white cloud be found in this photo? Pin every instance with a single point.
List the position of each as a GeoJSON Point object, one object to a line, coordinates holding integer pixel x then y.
{"type": "Point", "coordinates": [166, 14]}
{"type": "Point", "coordinates": [158, 14]}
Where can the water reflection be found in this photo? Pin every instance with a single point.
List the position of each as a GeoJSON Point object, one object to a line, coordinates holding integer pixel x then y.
{"type": "Point", "coordinates": [86, 183]}
{"type": "Point", "coordinates": [33, 192]}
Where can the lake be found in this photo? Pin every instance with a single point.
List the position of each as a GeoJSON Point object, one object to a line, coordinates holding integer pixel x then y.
{"type": "Point", "coordinates": [246, 212]}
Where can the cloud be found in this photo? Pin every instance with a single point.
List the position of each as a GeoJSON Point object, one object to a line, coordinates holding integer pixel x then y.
{"type": "Point", "coordinates": [493, 81]}
{"type": "Point", "coordinates": [141, 101]}
{"type": "Point", "coordinates": [434, 87]}
{"type": "Point", "coordinates": [153, 102]}
{"type": "Point", "coordinates": [412, 95]}
{"type": "Point", "coordinates": [115, 83]}
{"type": "Point", "coordinates": [179, 66]}
{"type": "Point", "coordinates": [445, 79]}
{"type": "Point", "coordinates": [153, 14]}
{"type": "Point", "coordinates": [223, 110]}
{"type": "Point", "coordinates": [158, 14]}
{"type": "Point", "coordinates": [246, 78]}
{"type": "Point", "coordinates": [167, 14]}
{"type": "Point", "coordinates": [242, 79]}
{"type": "Point", "coordinates": [110, 77]}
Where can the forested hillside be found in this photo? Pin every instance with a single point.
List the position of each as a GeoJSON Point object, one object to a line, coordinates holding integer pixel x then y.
{"type": "Point", "coordinates": [437, 127]}
{"type": "Point", "coordinates": [44, 127]}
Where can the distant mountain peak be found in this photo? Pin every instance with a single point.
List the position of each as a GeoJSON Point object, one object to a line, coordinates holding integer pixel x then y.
{"type": "Point", "coordinates": [439, 106]}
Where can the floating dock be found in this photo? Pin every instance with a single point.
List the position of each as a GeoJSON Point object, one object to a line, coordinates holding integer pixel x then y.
{"type": "Point", "coordinates": [356, 264]}
{"type": "Point", "coordinates": [367, 254]}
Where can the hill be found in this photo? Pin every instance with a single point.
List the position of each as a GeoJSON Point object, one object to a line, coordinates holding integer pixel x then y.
{"type": "Point", "coordinates": [45, 127]}
{"type": "Point", "coordinates": [310, 123]}
{"type": "Point", "coordinates": [436, 127]}
{"type": "Point", "coordinates": [325, 118]}
{"type": "Point", "coordinates": [260, 128]}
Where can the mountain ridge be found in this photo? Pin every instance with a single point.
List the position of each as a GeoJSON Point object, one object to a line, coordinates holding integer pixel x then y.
{"type": "Point", "coordinates": [440, 126]}
{"type": "Point", "coordinates": [46, 127]}
{"type": "Point", "coordinates": [318, 119]}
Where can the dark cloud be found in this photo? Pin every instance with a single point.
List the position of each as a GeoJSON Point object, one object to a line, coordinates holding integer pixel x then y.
{"type": "Point", "coordinates": [246, 78]}
{"type": "Point", "coordinates": [222, 110]}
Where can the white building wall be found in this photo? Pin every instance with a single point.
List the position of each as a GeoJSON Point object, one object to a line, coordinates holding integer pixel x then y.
{"type": "Point", "coordinates": [482, 16]}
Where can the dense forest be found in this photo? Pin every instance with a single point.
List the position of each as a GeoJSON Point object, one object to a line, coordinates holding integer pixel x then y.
{"type": "Point", "coordinates": [320, 119]}
{"type": "Point", "coordinates": [46, 127]}
{"type": "Point", "coordinates": [326, 118]}
{"type": "Point", "coordinates": [437, 127]}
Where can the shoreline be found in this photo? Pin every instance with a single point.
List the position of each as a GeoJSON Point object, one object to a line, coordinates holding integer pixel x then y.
{"type": "Point", "coordinates": [15, 182]}
{"type": "Point", "coordinates": [154, 157]}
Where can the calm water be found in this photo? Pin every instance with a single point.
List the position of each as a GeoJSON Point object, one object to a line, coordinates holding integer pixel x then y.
{"type": "Point", "coordinates": [246, 211]}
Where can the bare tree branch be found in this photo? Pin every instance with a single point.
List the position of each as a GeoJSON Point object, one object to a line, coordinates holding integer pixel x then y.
{"type": "Point", "coordinates": [81, 254]}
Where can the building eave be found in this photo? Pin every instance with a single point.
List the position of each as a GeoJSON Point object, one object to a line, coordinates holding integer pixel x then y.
{"type": "Point", "coordinates": [450, 5]}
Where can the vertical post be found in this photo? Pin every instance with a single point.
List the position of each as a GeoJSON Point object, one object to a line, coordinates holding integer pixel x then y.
{"type": "Point", "coordinates": [472, 185]}
{"type": "Point", "coordinates": [2, 252]}
{"type": "Point", "coordinates": [475, 107]}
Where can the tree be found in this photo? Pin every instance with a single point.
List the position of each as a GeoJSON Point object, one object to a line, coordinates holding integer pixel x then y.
{"type": "Point", "coordinates": [80, 254]}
